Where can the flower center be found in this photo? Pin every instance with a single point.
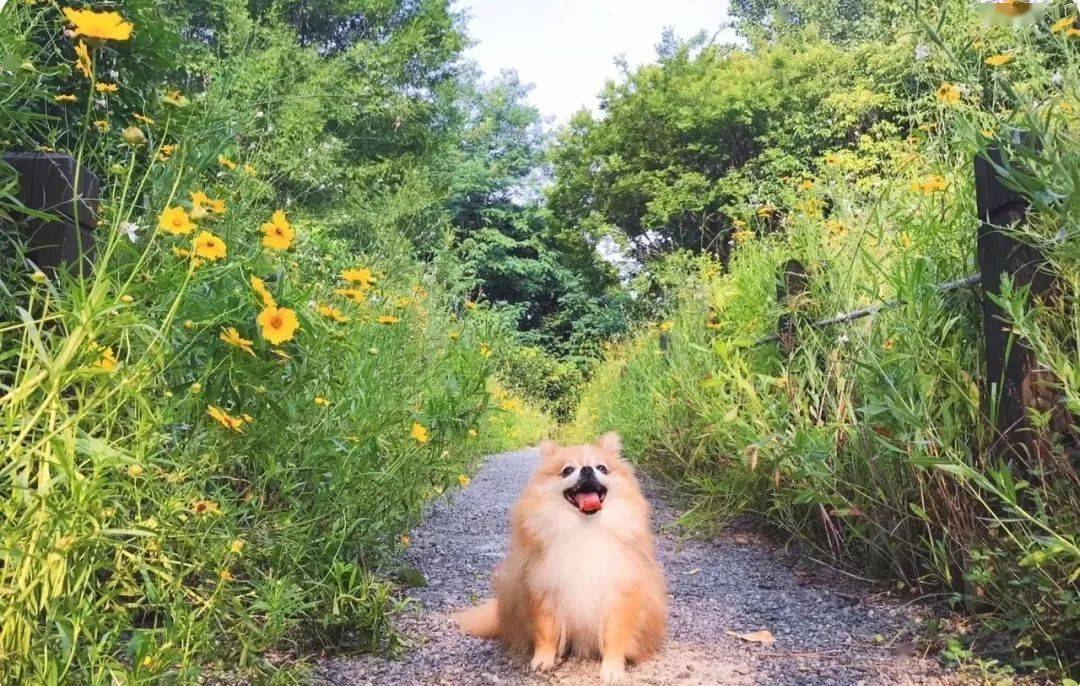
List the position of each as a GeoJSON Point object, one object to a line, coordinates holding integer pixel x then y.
{"type": "Point", "coordinates": [275, 322]}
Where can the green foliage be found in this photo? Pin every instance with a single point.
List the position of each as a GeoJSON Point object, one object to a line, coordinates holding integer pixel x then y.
{"type": "Point", "coordinates": [686, 142]}
{"type": "Point", "coordinates": [175, 505]}
{"type": "Point", "coordinates": [534, 373]}
{"type": "Point", "coordinates": [869, 441]}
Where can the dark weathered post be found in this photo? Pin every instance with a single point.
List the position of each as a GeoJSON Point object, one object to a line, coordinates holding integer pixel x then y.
{"type": "Point", "coordinates": [794, 283]}
{"type": "Point", "coordinates": [54, 183]}
{"type": "Point", "coordinates": [1012, 381]}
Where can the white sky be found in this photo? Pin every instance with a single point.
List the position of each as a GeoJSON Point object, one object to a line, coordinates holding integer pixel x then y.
{"type": "Point", "coordinates": [567, 48]}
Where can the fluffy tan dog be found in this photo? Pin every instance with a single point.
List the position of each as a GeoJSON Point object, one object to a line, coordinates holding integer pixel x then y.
{"type": "Point", "coordinates": [580, 577]}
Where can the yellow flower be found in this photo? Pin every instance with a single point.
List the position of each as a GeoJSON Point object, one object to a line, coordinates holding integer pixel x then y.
{"type": "Point", "coordinates": [354, 294]}
{"type": "Point", "coordinates": [473, 433]}
{"type": "Point", "coordinates": [948, 93]}
{"type": "Point", "coordinates": [806, 185]}
{"type": "Point", "coordinates": [419, 433]}
{"type": "Point", "coordinates": [742, 237]}
{"type": "Point", "coordinates": [135, 471]}
{"type": "Point", "coordinates": [102, 125]}
{"type": "Point", "coordinates": [1062, 24]}
{"type": "Point", "coordinates": [202, 508]}
{"type": "Point", "coordinates": [931, 184]}
{"type": "Point", "coordinates": [279, 324]}
{"type": "Point", "coordinates": [65, 97]}
{"type": "Point", "coordinates": [107, 361]}
{"type": "Point", "coordinates": [405, 540]}
{"type": "Point", "coordinates": [196, 387]}
{"type": "Point", "coordinates": [236, 546]}
{"type": "Point", "coordinates": [999, 60]}
{"type": "Point", "coordinates": [100, 25]}
{"type": "Point", "coordinates": [175, 220]}
{"type": "Point", "coordinates": [284, 356]}
{"type": "Point", "coordinates": [454, 335]}
{"type": "Point", "coordinates": [321, 401]}
{"type": "Point", "coordinates": [485, 350]}
{"type": "Point", "coordinates": [208, 246]}
{"type": "Point", "coordinates": [231, 336]}
{"type": "Point", "coordinates": [248, 169]}
{"type": "Point", "coordinates": [332, 313]}
{"type": "Point", "coordinates": [144, 119]}
{"type": "Point", "coordinates": [226, 575]}
{"type": "Point", "coordinates": [175, 98]}
{"type": "Point", "coordinates": [259, 286]}
{"type": "Point", "coordinates": [835, 228]}
{"type": "Point", "coordinates": [388, 319]}
{"type": "Point", "coordinates": [470, 305]}
{"type": "Point", "coordinates": [199, 199]}
{"type": "Point", "coordinates": [362, 277]}
{"type": "Point", "coordinates": [278, 233]}
{"type": "Point", "coordinates": [82, 59]}
{"type": "Point", "coordinates": [225, 419]}
{"type": "Point", "coordinates": [887, 345]}
{"type": "Point", "coordinates": [103, 87]}
{"type": "Point", "coordinates": [766, 211]}
{"type": "Point", "coordinates": [217, 206]}
{"type": "Point", "coordinates": [463, 480]}
{"type": "Point", "coordinates": [226, 162]}
{"type": "Point", "coordinates": [666, 326]}
{"type": "Point", "coordinates": [1073, 33]}
{"type": "Point", "coordinates": [165, 153]}
{"type": "Point", "coordinates": [905, 240]}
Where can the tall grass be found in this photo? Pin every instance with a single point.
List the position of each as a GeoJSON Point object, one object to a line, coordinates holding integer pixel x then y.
{"type": "Point", "coordinates": [870, 441]}
{"type": "Point", "coordinates": [174, 504]}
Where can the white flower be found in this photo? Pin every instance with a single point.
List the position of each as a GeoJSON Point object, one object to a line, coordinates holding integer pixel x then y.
{"type": "Point", "coordinates": [1057, 78]}
{"type": "Point", "coordinates": [131, 229]}
{"type": "Point", "coordinates": [922, 52]}
{"type": "Point", "coordinates": [843, 340]}
{"type": "Point", "coordinates": [260, 114]}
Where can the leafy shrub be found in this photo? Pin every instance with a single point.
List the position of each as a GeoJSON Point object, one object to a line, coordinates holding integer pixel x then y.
{"type": "Point", "coordinates": [870, 440]}
{"type": "Point", "coordinates": [214, 441]}
{"type": "Point", "coordinates": [534, 373]}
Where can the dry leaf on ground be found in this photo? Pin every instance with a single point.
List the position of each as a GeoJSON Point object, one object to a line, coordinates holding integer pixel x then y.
{"type": "Point", "coordinates": [763, 637]}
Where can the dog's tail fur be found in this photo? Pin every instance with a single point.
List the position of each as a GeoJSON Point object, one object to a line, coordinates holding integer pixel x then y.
{"type": "Point", "coordinates": [482, 620]}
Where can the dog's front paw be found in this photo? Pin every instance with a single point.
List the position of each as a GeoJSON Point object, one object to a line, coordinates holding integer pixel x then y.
{"type": "Point", "coordinates": [542, 661]}
{"type": "Point", "coordinates": [612, 672]}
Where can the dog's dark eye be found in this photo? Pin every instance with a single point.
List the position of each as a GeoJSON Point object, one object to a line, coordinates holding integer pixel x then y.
{"type": "Point", "coordinates": [601, 468]}
{"type": "Point", "coordinates": [567, 471]}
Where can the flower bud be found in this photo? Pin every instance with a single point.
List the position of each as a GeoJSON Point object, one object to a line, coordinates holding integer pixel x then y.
{"type": "Point", "coordinates": [133, 136]}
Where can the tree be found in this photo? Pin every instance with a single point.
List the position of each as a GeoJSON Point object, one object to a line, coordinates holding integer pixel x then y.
{"type": "Point", "coordinates": [685, 140]}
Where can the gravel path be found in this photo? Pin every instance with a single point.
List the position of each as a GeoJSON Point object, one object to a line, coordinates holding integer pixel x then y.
{"type": "Point", "coordinates": [825, 629]}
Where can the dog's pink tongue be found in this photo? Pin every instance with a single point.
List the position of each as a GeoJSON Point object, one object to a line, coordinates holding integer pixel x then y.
{"type": "Point", "coordinates": [587, 502]}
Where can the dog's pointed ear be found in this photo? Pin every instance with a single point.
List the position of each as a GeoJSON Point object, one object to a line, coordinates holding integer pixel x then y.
{"type": "Point", "coordinates": [610, 443]}
{"type": "Point", "coordinates": [547, 448]}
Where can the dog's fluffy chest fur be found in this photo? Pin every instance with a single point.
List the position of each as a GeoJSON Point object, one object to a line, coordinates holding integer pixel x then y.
{"type": "Point", "coordinates": [580, 573]}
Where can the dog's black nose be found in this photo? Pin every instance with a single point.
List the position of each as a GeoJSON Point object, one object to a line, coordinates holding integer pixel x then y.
{"type": "Point", "coordinates": [586, 471]}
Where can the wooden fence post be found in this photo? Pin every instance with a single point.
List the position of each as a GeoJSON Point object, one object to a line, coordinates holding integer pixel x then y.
{"type": "Point", "coordinates": [55, 184]}
{"type": "Point", "coordinates": [794, 282]}
{"type": "Point", "coordinates": [1012, 381]}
